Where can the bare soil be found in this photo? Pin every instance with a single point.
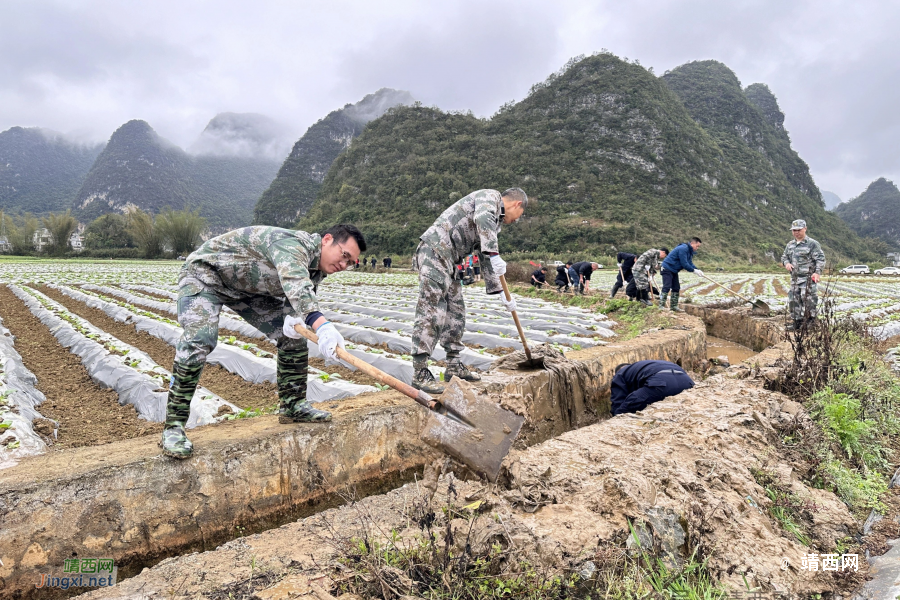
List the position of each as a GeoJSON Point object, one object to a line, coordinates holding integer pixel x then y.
{"type": "Point", "coordinates": [779, 289]}
{"type": "Point", "coordinates": [214, 378]}
{"type": "Point", "coordinates": [87, 413]}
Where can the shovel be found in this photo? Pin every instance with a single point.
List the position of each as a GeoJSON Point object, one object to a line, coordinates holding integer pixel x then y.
{"type": "Point", "coordinates": [471, 429]}
{"type": "Point", "coordinates": [529, 362]}
{"type": "Point", "coordinates": [759, 307]}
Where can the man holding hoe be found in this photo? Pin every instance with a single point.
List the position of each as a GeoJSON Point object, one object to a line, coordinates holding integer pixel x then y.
{"type": "Point", "coordinates": [269, 276]}
{"type": "Point", "coordinates": [470, 225]}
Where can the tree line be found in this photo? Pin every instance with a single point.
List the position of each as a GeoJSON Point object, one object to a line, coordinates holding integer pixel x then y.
{"type": "Point", "coordinates": [136, 234]}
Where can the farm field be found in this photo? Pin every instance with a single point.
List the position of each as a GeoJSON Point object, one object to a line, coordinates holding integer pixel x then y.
{"type": "Point", "coordinates": [875, 300]}
{"type": "Point", "coordinates": [86, 348]}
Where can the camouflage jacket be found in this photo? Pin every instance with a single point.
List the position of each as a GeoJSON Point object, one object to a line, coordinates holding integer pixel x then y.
{"type": "Point", "coordinates": [469, 225]}
{"type": "Point", "coordinates": [259, 261]}
{"type": "Point", "coordinates": [650, 258]}
{"type": "Point", "coordinates": [806, 256]}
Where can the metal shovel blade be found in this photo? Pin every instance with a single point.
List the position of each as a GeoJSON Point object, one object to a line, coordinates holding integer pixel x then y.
{"type": "Point", "coordinates": [760, 308]}
{"type": "Point", "coordinates": [484, 441]}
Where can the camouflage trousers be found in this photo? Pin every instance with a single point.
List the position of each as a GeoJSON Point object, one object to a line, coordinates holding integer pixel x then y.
{"type": "Point", "coordinates": [801, 298]}
{"type": "Point", "coordinates": [641, 281]}
{"type": "Point", "coordinates": [198, 315]}
{"type": "Point", "coordinates": [441, 310]}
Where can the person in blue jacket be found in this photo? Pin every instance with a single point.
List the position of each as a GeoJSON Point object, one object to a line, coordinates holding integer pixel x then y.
{"type": "Point", "coordinates": [637, 385]}
{"type": "Point", "coordinates": [681, 258]}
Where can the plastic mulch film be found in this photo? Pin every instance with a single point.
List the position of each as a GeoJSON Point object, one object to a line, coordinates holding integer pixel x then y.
{"type": "Point", "coordinates": [225, 322]}
{"type": "Point", "coordinates": [248, 366]}
{"type": "Point", "coordinates": [133, 375]}
{"type": "Point", "coordinates": [403, 345]}
{"type": "Point", "coordinates": [19, 399]}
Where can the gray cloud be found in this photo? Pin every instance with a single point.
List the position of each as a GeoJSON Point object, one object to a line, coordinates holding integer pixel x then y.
{"type": "Point", "coordinates": [88, 67]}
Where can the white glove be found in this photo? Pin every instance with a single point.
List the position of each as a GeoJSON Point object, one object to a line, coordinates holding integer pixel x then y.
{"type": "Point", "coordinates": [510, 304]}
{"type": "Point", "coordinates": [498, 265]}
{"type": "Point", "coordinates": [698, 272]}
{"type": "Point", "coordinates": [329, 339]}
{"type": "Point", "coordinates": [288, 327]}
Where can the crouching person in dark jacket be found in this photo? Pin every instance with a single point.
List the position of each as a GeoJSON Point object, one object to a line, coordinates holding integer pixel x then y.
{"type": "Point", "coordinates": [638, 385]}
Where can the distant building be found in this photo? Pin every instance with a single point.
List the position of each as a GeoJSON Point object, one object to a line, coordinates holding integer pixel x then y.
{"type": "Point", "coordinates": [41, 239]}
{"type": "Point", "coordinates": [76, 240]}
{"type": "Point", "coordinates": [894, 258]}
{"type": "Point", "coordinates": [5, 246]}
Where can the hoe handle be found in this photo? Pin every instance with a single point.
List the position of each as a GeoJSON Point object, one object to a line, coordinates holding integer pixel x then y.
{"type": "Point", "coordinates": [418, 395]}
{"type": "Point", "coordinates": [729, 290]}
{"type": "Point", "coordinates": [516, 318]}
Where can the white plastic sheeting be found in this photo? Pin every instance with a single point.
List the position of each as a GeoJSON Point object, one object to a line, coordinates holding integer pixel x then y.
{"type": "Point", "coordinates": [248, 366]}
{"type": "Point", "coordinates": [19, 399]}
{"type": "Point", "coordinates": [138, 385]}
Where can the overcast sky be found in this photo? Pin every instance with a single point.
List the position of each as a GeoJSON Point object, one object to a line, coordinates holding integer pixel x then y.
{"type": "Point", "coordinates": [85, 67]}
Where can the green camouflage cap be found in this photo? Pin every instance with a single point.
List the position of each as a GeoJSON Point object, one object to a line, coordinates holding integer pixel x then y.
{"type": "Point", "coordinates": [798, 224]}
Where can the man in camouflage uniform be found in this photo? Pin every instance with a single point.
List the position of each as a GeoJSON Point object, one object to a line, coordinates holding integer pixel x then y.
{"type": "Point", "coordinates": [269, 276]}
{"type": "Point", "coordinates": [470, 225]}
{"type": "Point", "coordinates": [804, 259]}
{"type": "Point", "coordinates": [646, 265]}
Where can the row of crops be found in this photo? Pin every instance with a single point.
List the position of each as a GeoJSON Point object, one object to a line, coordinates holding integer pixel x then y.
{"type": "Point", "coordinates": [375, 317]}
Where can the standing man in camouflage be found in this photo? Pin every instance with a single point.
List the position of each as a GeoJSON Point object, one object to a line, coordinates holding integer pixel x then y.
{"type": "Point", "coordinates": [646, 265]}
{"type": "Point", "coordinates": [470, 225]}
{"type": "Point", "coordinates": [269, 276]}
{"type": "Point", "coordinates": [804, 260]}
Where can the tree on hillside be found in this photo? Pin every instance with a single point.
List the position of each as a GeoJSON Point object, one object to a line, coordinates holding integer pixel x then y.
{"type": "Point", "coordinates": [61, 227]}
{"type": "Point", "coordinates": [180, 230]}
{"type": "Point", "coordinates": [145, 234]}
{"type": "Point", "coordinates": [20, 233]}
{"type": "Point", "coordinates": [108, 231]}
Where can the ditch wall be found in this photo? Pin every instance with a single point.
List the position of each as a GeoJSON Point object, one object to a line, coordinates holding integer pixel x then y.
{"type": "Point", "coordinates": [738, 325]}
{"type": "Point", "coordinates": [127, 502]}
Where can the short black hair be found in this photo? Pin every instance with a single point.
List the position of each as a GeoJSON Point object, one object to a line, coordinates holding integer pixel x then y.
{"type": "Point", "coordinates": [543, 268]}
{"type": "Point", "coordinates": [664, 249]}
{"type": "Point", "coordinates": [569, 263]}
{"type": "Point", "coordinates": [620, 367]}
{"type": "Point", "coordinates": [696, 239]}
{"type": "Point", "coordinates": [341, 233]}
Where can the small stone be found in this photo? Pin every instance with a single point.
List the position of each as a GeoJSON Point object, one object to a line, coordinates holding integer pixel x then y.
{"type": "Point", "coordinates": [791, 407]}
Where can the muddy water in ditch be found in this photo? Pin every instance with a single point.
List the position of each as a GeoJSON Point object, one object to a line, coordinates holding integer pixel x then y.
{"type": "Point", "coordinates": [716, 347]}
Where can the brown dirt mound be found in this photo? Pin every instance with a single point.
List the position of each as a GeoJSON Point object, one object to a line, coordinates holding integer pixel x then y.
{"type": "Point", "coordinates": [87, 414]}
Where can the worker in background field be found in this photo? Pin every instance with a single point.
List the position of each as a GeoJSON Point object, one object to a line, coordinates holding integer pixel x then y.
{"type": "Point", "coordinates": [574, 280]}
{"type": "Point", "coordinates": [625, 262]}
{"type": "Point", "coordinates": [539, 277]}
{"type": "Point", "coordinates": [805, 261]}
{"type": "Point", "coordinates": [269, 276]}
{"type": "Point", "coordinates": [373, 263]}
{"type": "Point", "coordinates": [635, 386]}
{"type": "Point", "coordinates": [680, 259]}
{"type": "Point", "coordinates": [562, 277]}
{"type": "Point", "coordinates": [644, 268]}
{"type": "Point", "coordinates": [469, 225]}
{"type": "Point", "coordinates": [584, 270]}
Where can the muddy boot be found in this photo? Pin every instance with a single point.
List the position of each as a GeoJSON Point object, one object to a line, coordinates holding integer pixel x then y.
{"type": "Point", "coordinates": [662, 299]}
{"type": "Point", "coordinates": [423, 378]}
{"type": "Point", "coordinates": [293, 407]}
{"type": "Point", "coordinates": [674, 304]}
{"type": "Point", "coordinates": [184, 382]}
{"type": "Point", "coordinates": [455, 368]}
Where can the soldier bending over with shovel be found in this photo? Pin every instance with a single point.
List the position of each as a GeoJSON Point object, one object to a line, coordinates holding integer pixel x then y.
{"type": "Point", "coordinates": [269, 276]}
{"type": "Point", "coordinates": [470, 225]}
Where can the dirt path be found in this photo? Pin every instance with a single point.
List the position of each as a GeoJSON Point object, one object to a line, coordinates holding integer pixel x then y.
{"type": "Point", "coordinates": [88, 414]}
{"type": "Point", "coordinates": [216, 379]}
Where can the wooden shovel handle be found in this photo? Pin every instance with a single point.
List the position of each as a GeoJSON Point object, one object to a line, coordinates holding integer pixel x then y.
{"type": "Point", "coordinates": [418, 395]}
{"type": "Point", "coordinates": [729, 290]}
{"type": "Point", "coordinates": [516, 318]}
